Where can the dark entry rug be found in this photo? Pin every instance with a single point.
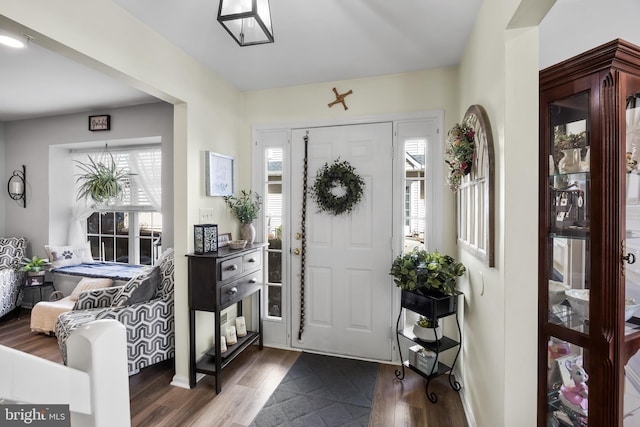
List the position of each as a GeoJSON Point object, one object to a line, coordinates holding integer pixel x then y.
{"type": "Point", "coordinates": [321, 391]}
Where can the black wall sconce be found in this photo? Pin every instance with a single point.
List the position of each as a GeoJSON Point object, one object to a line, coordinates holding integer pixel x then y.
{"type": "Point", "coordinates": [17, 185]}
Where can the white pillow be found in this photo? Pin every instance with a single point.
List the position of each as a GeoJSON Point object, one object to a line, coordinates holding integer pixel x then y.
{"type": "Point", "coordinates": [88, 284]}
{"type": "Point", "coordinates": [62, 256]}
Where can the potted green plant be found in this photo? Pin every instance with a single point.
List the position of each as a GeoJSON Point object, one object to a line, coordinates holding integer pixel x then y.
{"type": "Point", "coordinates": [100, 182]}
{"type": "Point", "coordinates": [428, 281]}
{"type": "Point", "coordinates": [246, 209]}
{"type": "Point", "coordinates": [428, 330]}
{"type": "Point", "coordinates": [34, 266]}
{"type": "Point", "coordinates": [35, 269]}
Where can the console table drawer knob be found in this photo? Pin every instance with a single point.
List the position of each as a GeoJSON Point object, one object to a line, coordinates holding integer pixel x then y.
{"type": "Point", "coordinates": [232, 290]}
{"type": "Point", "coordinates": [253, 280]}
{"type": "Point", "coordinates": [252, 260]}
{"type": "Point", "coordinates": [232, 267]}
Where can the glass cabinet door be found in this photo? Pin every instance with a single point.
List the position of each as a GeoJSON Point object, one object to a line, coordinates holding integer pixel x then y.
{"type": "Point", "coordinates": [632, 250]}
{"type": "Point", "coordinates": [568, 244]}
{"type": "Point", "coordinates": [569, 181]}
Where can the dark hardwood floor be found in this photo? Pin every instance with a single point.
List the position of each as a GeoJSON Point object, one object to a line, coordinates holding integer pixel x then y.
{"type": "Point", "coordinates": [247, 384]}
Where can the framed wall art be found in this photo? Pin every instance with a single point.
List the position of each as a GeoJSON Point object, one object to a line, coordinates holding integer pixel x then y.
{"type": "Point", "coordinates": [101, 122]}
{"type": "Point", "coordinates": [220, 172]}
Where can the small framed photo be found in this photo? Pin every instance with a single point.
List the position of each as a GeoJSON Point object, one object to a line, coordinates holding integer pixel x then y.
{"type": "Point", "coordinates": [223, 239]}
{"type": "Point", "coordinates": [34, 281]}
{"type": "Point", "coordinates": [102, 122]}
{"type": "Point", "coordinates": [220, 174]}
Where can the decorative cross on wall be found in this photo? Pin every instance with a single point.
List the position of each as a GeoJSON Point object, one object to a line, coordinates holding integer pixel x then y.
{"type": "Point", "coordinates": [340, 98]}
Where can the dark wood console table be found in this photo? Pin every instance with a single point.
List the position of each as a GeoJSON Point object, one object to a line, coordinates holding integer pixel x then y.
{"type": "Point", "coordinates": [217, 281]}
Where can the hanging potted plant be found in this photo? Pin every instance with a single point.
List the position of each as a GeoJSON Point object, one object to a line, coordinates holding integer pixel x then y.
{"type": "Point", "coordinates": [100, 182]}
{"type": "Point", "coordinates": [246, 210]}
{"type": "Point", "coordinates": [428, 281]}
{"type": "Point", "coordinates": [459, 153]}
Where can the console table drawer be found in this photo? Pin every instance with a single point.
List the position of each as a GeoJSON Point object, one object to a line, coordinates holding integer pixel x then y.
{"type": "Point", "coordinates": [230, 268]}
{"type": "Point", "coordinates": [252, 261]}
{"type": "Point", "coordinates": [238, 289]}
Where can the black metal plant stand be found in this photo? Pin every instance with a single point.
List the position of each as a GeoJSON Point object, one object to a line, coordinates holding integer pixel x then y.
{"type": "Point", "coordinates": [432, 307]}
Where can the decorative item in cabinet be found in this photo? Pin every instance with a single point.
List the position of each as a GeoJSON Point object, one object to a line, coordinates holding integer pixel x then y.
{"type": "Point", "coordinates": [587, 110]}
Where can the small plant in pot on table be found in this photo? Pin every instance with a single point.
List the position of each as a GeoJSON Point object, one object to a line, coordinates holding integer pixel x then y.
{"type": "Point", "coordinates": [246, 209]}
{"type": "Point", "coordinates": [428, 281]}
{"type": "Point", "coordinates": [35, 268]}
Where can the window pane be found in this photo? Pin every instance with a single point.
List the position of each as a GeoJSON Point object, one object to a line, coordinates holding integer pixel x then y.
{"type": "Point", "coordinates": [150, 224]}
{"type": "Point", "coordinates": [415, 154]}
{"type": "Point", "coordinates": [93, 223]}
{"type": "Point", "coordinates": [414, 198]}
{"type": "Point", "coordinates": [273, 211]}
{"type": "Point", "coordinates": [275, 262]}
{"type": "Point", "coordinates": [94, 241]}
{"type": "Point", "coordinates": [273, 214]}
{"type": "Point", "coordinates": [122, 223]}
{"type": "Point", "coordinates": [107, 222]}
{"type": "Point", "coordinates": [146, 252]}
{"type": "Point", "coordinates": [107, 244]}
{"type": "Point", "coordinates": [275, 301]}
{"type": "Point", "coordinates": [274, 161]}
{"type": "Point", "coordinates": [122, 249]}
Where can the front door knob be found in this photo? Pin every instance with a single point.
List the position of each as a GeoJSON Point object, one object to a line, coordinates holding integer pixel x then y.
{"type": "Point", "coordinates": [297, 251]}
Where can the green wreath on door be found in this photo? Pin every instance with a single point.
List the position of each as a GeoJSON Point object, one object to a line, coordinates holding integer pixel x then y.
{"type": "Point", "coordinates": [337, 177]}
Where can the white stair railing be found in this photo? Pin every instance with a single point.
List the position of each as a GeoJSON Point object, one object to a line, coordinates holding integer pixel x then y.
{"type": "Point", "coordinates": [95, 384]}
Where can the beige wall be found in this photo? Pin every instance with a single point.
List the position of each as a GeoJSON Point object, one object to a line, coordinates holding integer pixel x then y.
{"type": "Point", "coordinates": [206, 113]}
{"type": "Point", "coordinates": [499, 70]}
{"type": "Point", "coordinates": [420, 91]}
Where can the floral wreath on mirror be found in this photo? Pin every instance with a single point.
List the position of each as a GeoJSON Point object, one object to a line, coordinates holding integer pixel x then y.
{"type": "Point", "coordinates": [459, 153]}
{"type": "Point", "coordinates": [337, 177]}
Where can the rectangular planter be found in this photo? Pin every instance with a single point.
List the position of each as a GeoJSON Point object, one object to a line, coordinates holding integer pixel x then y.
{"type": "Point", "coordinates": [431, 307]}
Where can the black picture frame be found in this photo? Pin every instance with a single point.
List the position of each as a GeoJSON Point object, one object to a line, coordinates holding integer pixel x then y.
{"type": "Point", "coordinates": [100, 122]}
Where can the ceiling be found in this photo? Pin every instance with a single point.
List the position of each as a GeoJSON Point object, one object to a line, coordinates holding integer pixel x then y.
{"type": "Point", "coordinates": [315, 41]}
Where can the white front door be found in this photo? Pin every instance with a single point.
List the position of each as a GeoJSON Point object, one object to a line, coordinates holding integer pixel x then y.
{"type": "Point", "coordinates": [348, 290]}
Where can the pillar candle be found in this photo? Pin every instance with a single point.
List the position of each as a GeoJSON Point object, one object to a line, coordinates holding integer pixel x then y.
{"type": "Point", "coordinates": [241, 326]}
{"type": "Point", "coordinates": [231, 335]}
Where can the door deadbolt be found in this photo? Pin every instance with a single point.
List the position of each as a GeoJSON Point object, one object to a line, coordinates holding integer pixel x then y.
{"type": "Point", "coordinates": [298, 236]}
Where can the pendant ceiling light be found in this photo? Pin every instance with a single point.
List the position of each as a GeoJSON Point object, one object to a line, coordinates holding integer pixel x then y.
{"type": "Point", "coordinates": [248, 21]}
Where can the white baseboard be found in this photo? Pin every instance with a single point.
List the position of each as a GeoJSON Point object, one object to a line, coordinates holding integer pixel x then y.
{"type": "Point", "coordinates": [471, 421]}
{"type": "Point", "coordinates": [183, 382]}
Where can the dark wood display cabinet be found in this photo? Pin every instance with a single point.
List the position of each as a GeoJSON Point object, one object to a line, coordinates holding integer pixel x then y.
{"type": "Point", "coordinates": [589, 236]}
{"type": "Point", "coordinates": [216, 282]}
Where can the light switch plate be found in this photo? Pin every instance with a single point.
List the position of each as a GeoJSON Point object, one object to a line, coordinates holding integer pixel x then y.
{"type": "Point", "coordinates": [206, 215]}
